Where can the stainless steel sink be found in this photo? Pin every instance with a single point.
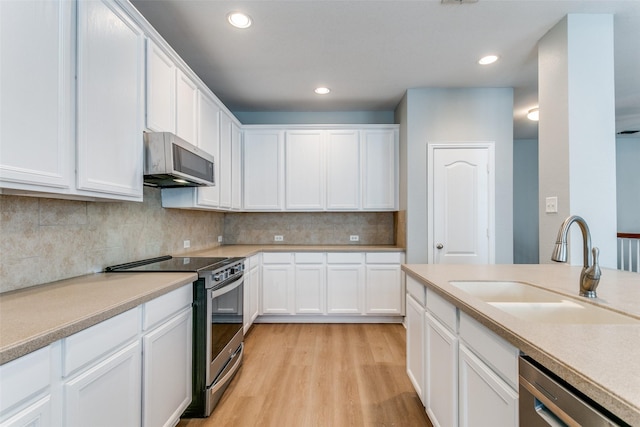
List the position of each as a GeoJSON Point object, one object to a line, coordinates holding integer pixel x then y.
{"type": "Point", "coordinates": [531, 303]}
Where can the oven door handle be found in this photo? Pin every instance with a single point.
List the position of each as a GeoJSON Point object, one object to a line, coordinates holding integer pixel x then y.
{"type": "Point", "coordinates": [227, 288]}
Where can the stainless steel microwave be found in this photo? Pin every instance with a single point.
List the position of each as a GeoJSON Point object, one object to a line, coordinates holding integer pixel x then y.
{"type": "Point", "coordinates": [170, 161]}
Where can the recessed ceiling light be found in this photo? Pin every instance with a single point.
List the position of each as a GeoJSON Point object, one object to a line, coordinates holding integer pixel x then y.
{"type": "Point", "coordinates": [489, 59]}
{"type": "Point", "coordinates": [533, 114]}
{"type": "Point", "coordinates": [239, 20]}
{"type": "Point", "coordinates": [322, 90]}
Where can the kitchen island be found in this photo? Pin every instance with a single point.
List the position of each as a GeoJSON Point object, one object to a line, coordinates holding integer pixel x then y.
{"type": "Point", "coordinates": [600, 360]}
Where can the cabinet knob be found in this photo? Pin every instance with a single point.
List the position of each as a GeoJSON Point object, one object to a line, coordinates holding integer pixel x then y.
{"type": "Point", "coordinates": [439, 246]}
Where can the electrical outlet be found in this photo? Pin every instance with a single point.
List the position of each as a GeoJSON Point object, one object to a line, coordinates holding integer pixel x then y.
{"type": "Point", "coordinates": [278, 238]}
{"type": "Point", "coordinates": [186, 244]}
{"type": "Point", "coordinates": [551, 205]}
{"type": "Point", "coordinates": [354, 238]}
{"type": "Point", "coordinates": [219, 239]}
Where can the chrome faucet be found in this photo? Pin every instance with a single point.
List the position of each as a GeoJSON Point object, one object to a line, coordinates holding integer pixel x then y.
{"type": "Point", "coordinates": [590, 275]}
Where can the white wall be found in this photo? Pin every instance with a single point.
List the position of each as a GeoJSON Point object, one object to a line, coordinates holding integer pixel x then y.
{"type": "Point", "coordinates": [628, 184]}
{"type": "Point", "coordinates": [433, 115]}
{"type": "Point", "coordinates": [577, 133]}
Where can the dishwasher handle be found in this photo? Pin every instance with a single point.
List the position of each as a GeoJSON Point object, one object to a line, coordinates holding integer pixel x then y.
{"type": "Point", "coordinates": [547, 409]}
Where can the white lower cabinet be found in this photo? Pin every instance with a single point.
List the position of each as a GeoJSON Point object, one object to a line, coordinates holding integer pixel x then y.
{"type": "Point", "coordinates": [484, 398]}
{"type": "Point", "coordinates": [251, 307]}
{"type": "Point", "coordinates": [167, 371]}
{"type": "Point", "coordinates": [345, 283]}
{"type": "Point", "coordinates": [106, 394]}
{"type": "Point", "coordinates": [277, 283]}
{"type": "Point", "coordinates": [383, 290]}
{"type": "Point", "coordinates": [310, 283]}
{"type": "Point", "coordinates": [470, 373]}
{"type": "Point", "coordinates": [441, 373]}
{"type": "Point", "coordinates": [133, 369]}
{"type": "Point", "coordinates": [415, 345]}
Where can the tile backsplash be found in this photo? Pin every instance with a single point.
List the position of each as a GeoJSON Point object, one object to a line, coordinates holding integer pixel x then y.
{"type": "Point", "coordinates": [43, 240]}
{"type": "Point", "coordinates": [310, 228]}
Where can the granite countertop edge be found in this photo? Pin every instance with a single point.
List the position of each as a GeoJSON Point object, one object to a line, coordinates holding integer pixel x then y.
{"type": "Point", "coordinates": [512, 330]}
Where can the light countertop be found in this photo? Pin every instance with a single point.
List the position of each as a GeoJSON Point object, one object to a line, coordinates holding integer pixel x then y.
{"type": "Point", "coordinates": [600, 360]}
{"type": "Point", "coordinates": [249, 250]}
{"type": "Point", "coordinates": [37, 316]}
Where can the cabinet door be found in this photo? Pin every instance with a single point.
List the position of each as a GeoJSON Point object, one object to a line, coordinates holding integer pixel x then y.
{"type": "Point", "coordinates": [380, 173]}
{"type": "Point", "coordinates": [167, 371]}
{"type": "Point", "coordinates": [37, 414]}
{"type": "Point", "coordinates": [277, 289]}
{"type": "Point", "coordinates": [343, 170]}
{"type": "Point", "coordinates": [224, 165]}
{"type": "Point", "coordinates": [161, 90]}
{"type": "Point", "coordinates": [484, 398]}
{"type": "Point", "coordinates": [110, 112]}
{"type": "Point", "coordinates": [36, 93]}
{"type": "Point", "coordinates": [310, 289]}
{"type": "Point", "coordinates": [209, 141]}
{"type": "Point", "coordinates": [236, 167]}
{"type": "Point", "coordinates": [304, 170]}
{"type": "Point", "coordinates": [345, 287]}
{"type": "Point", "coordinates": [415, 346]}
{"type": "Point", "coordinates": [263, 170]}
{"type": "Point", "coordinates": [107, 394]}
{"type": "Point", "coordinates": [384, 290]}
{"type": "Point", "coordinates": [441, 376]}
{"type": "Point", "coordinates": [186, 108]}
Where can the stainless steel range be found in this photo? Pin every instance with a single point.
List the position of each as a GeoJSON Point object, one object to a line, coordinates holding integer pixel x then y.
{"type": "Point", "coordinates": [217, 322]}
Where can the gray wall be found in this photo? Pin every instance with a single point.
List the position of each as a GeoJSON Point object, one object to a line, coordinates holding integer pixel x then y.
{"type": "Point", "coordinates": [525, 201]}
{"type": "Point", "coordinates": [302, 117]}
{"type": "Point", "coordinates": [628, 184]}
{"type": "Point", "coordinates": [432, 115]}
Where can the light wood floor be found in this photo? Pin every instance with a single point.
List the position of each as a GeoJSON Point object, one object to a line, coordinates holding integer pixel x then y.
{"type": "Point", "coordinates": [320, 375]}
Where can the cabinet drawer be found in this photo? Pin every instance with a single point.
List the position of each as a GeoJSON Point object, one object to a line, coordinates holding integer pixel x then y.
{"type": "Point", "coordinates": [384, 258]}
{"type": "Point", "coordinates": [166, 306]}
{"type": "Point", "coordinates": [24, 377]}
{"type": "Point", "coordinates": [277, 258]}
{"type": "Point", "coordinates": [309, 257]}
{"type": "Point", "coordinates": [442, 309]}
{"type": "Point", "coordinates": [416, 290]}
{"type": "Point", "coordinates": [252, 262]}
{"type": "Point", "coordinates": [501, 356]}
{"type": "Point", "coordinates": [99, 340]}
{"type": "Point", "coordinates": [345, 258]}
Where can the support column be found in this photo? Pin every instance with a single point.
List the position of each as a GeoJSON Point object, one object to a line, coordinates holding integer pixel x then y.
{"type": "Point", "coordinates": [577, 154]}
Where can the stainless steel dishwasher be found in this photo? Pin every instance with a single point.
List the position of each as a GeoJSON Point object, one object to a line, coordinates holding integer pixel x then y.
{"type": "Point", "coordinates": [546, 400]}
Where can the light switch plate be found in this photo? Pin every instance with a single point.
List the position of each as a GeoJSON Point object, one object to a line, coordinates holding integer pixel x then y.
{"type": "Point", "coordinates": [551, 205]}
{"type": "Point", "coordinates": [186, 244]}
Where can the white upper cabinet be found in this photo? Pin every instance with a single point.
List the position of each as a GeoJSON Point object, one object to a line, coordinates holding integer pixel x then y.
{"type": "Point", "coordinates": [380, 169]}
{"type": "Point", "coordinates": [161, 90]}
{"type": "Point", "coordinates": [225, 160]}
{"type": "Point", "coordinates": [36, 93]}
{"type": "Point", "coordinates": [343, 170]}
{"type": "Point", "coordinates": [236, 167]}
{"type": "Point", "coordinates": [209, 141]}
{"type": "Point", "coordinates": [304, 170]}
{"type": "Point", "coordinates": [263, 169]}
{"type": "Point", "coordinates": [186, 108]}
{"type": "Point", "coordinates": [110, 67]}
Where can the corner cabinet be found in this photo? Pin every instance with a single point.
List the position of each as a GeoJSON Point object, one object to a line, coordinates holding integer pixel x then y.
{"type": "Point", "coordinates": [321, 168]}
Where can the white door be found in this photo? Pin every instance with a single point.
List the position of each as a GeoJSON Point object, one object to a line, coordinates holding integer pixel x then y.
{"type": "Point", "coordinates": [461, 204]}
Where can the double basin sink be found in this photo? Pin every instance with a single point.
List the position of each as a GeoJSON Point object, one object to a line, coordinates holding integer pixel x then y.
{"type": "Point", "coordinates": [530, 303]}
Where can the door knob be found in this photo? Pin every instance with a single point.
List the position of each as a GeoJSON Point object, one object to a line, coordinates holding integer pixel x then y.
{"type": "Point", "coordinates": [439, 246]}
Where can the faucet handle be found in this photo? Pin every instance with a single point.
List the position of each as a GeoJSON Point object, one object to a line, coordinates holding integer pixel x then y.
{"type": "Point", "coordinates": [591, 276]}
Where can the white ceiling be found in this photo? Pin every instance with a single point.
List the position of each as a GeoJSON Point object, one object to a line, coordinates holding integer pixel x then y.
{"type": "Point", "coordinates": [370, 52]}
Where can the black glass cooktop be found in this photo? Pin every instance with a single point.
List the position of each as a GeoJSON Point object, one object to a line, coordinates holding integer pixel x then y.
{"type": "Point", "coordinates": [169, 264]}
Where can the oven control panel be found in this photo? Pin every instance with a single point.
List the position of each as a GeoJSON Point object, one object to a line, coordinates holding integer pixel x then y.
{"type": "Point", "coordinates": [228, 272]}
